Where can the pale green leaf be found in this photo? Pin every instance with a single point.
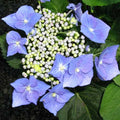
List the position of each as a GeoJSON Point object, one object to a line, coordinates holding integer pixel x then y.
{"type": "Point", "coordinates": [110, 106]}
{"type": "Point", "coordinates": [100, 2]}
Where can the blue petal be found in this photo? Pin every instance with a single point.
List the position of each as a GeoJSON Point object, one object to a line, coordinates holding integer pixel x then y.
{"type": "Point", "coordinates": [57, 89]}
{"type": "Point", "coordinates": [71, 80]}
{"type": "Point", "coordinates": [21, 49]}
{"type": "Point", "coordinates": [41, 87]}
{"type": "Point", "coordinates": [108, 71]}
{"type": "Point", "coordinates": [59, 59]}
{"type": "Point", "coordinates": [77, 79]}
{"type": "Point", "coordinates": [18, 99]}
{"type": "Point", "coordinates": [12, 49]}
{"type": "Point", "coordinates": [84, 63]}
{"type": "Point", "coordinates": [53, 106]}
{"type": "Point", "coordinates": [94, 28]}
{"type": "Point", "coordinates": [63, 98]}
{"type": "Point", "coordinates": [10, 20]}
{"type": "Point", "coordinates": [43, 1]}
{"type": "Point", "coordinates": [20, 84]}
{"type": "Point", "coordinates": [24, 12]}
{"type": "Point", "coordinates": [47, 98]}
{"type": "Point", "coordinates": [108, 55]}
{"type": "Point", "coordinates": [33, 96]}
{"type": "Point", "coordinates": [23, 41]}
{"type": "Point", "coordinates": [71, 6]}
{"type": "Point", "coordinates": [12, 37]}
{"type": "Point", "coordinates": [100, 69]}
{"type": "Point", "coordinates": [32, 81]}
{"type": "Point", "coordinates": [22, 26]}
{"type": "Point", "coordinates": [34, 19]}
{"type": "Point", "coordinates": [78, 11]}
{"type": "Point", "coordinates": [86, 80]}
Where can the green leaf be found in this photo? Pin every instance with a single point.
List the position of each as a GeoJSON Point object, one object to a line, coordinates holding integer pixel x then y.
{"type": "Point", "coordinates": [56, 5]}
{"type": "Point", "coordinates": [3, 45]}
{"type": "Point", "coordinates": [100, 2]}
{"type": "Point", "coordinates": [83, 105]}
{"type": "Point", "coordinates": [110, 106]}
{"type": "Point", "coordinates": [117, 80]}
{"type": "Point", "coordinates": [114, 34]}
{"type": "Point", "coordinates": [13, 61]}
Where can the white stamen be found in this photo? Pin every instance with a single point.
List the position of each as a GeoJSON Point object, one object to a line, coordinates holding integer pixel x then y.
{"type": "Point", "coordinates": [25, 21]}
{"type": "Point", "coordinates": [77, 70]}
{"type": "Point", "coordinates": [61, 67]}
{"type": "Point", "coordinates": [91, 29]}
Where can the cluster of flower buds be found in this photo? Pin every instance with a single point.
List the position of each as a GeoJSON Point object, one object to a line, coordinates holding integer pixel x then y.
{"type": "Point", "coordinates": [44, 41]}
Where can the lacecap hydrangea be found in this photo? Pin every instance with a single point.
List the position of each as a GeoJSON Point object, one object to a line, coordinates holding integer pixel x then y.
{"type": "Point", "coordinates": [56, 54]}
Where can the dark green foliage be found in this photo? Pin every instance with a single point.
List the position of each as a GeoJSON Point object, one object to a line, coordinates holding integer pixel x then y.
{"type": "Point", "coordinates": [100, 2]}
{"type": "Point", "coordinates": [84, 105]}
{"type": "Point", "coordinates": [56, 5]}
{"type": "Point", "coordinates": [117, 80]}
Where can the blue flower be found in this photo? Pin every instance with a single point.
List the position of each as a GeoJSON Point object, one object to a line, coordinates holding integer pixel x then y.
{"type": "Point", "coordinates": [56, 98]}
{"type": "Point", "coordinates": [60, 66]}
{"type": "Point", "coordinates": [43, 1]}
{"type": "Point", "coordinates": [24, 19]}
{"type": "Point", "coordinates": [16, 43]}
{"type": "Point", "coordinates": [106, 64]}
{"type": "Point", "coordinates": [77, 10]}
{"type": "Point", "coordinates": [94, 28]}
{"type": "Point", "coordinates": [27, 91]}
{"type": "Point", "coordinates": [80, 71]}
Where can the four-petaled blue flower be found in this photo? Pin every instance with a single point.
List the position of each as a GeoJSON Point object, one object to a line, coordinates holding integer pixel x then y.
{"type": "Point", "coordinates": [77, 9]}
{"type": "Point", "coordinates": [106, 64]}
{"type": "Point", "coordinates": [24, 19]}
{"type": "Point", "coordinates": [94, 28]}
{"type": "Point", "coordinates": [27, 91]}
{"type": "Point", "coordinates": [60, 66]}
{"type": "Point", "coordinates": [43, 1]}
{"type": "Point", "coordinates": [16, 43]}
{"type": "Point", "coordinates": [56, 98]}
{"type": "Point", "coordinates": [80, 71]}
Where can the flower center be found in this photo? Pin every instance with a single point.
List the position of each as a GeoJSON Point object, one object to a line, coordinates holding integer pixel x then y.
{"type": "Point", "coordinates": [100, 62]}
{"type": "Point", "coordinates": [17, 43]}
{"type": "Point", "coordinates": [91, 29]}
{"type": "Point", "coordinates": [54, 94]}
{"type": "Point", "coordinates": [28, 88]}
{"type": "Point", "coordinates": [77, 70]}
{"type": "Point", "coordinates": [25, 21]}
{"type": "Point", "coordinates": [61, 67]}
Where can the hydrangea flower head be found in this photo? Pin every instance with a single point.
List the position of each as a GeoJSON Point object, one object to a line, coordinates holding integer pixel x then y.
{"type": "Point", "coordinates": [94, 28]}
{"type": "Point", "coordinates": [77, 10]}
{"type": "Point", "coordinates": [106, 64]}
{"type": "Point", "coordinates": [56, 98]}
{"type": "Point", "coordinates": [16, 43]}
{"type": "Point", "coordinates": [24, 19]}
{"type": "Point", "coordinates": [80, 71]}
{"type": "Point", "coordinates": [43, 1]}
{"type": "Point", "coordinates": [60, 66]}
{"type": "Point", "coordinates": [27, 91]}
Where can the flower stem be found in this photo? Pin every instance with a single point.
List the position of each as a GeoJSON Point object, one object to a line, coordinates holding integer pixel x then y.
{"type": "Point", "coordinates": [69, 12]}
